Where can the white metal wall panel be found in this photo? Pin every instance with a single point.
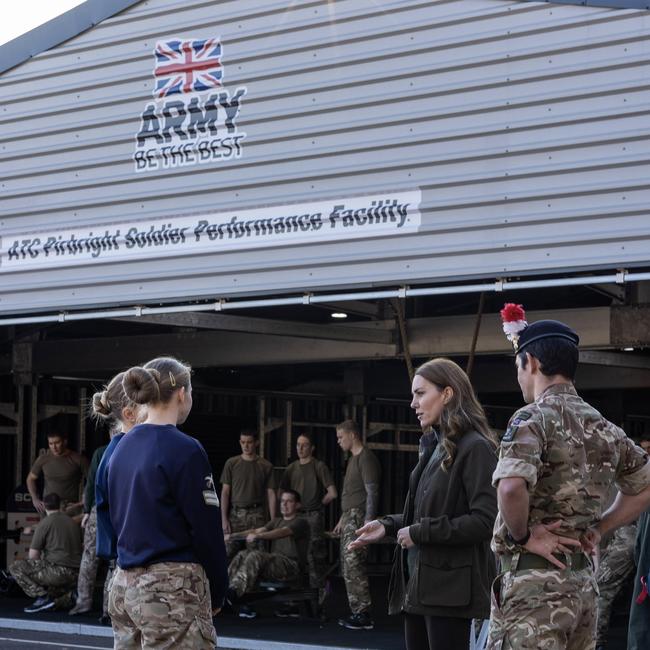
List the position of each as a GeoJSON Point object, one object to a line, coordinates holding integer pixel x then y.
{"type": "Point", "coordinates": [524, 124]}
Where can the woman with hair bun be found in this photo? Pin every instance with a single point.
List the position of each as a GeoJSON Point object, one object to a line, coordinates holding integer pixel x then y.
{"type": "Point", "coordinates": [114, 408]}
{"type": "Point", "coordinates": [172, 574]}
{"type": "Point", "coordinates": [443, 566]}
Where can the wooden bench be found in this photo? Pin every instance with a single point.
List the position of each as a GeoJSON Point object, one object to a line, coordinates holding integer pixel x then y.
{"type": "Point", "coordinates": [284, 593]}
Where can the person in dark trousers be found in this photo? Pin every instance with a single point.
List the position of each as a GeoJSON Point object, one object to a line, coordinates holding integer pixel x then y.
{"type": "Point", "coordinates": [443, 566]}
{"type": "Point", "coordinates": [172, 572]}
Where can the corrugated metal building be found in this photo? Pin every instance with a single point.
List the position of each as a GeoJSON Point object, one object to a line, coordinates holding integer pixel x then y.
{"type": "Point", "coordinates": [165, 156]}
{"type": "Point", "coordinates": [522, 124]}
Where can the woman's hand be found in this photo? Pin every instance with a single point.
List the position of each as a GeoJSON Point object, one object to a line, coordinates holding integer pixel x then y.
{"type": "Point", "coordinates": [404, 538]}
{"type": "Point", "coordinates": [369, 533]}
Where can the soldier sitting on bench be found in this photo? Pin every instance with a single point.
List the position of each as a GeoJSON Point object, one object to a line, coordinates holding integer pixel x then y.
{"type": "Point", "coordinates": [289, 537]}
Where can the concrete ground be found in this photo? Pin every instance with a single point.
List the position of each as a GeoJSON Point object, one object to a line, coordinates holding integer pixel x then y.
{"type": "Point", "coordinates": [59, 631]}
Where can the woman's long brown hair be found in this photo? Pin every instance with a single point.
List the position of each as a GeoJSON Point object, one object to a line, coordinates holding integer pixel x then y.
{"type": "Point", "coordinates": [463, 413]}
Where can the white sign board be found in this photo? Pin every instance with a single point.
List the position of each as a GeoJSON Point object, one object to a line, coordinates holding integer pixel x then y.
{"type": "Point", "coordinates": [384, 215]}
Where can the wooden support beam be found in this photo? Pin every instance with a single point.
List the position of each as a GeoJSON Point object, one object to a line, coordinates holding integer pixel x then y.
{"type": "Point", "coordinates": [599, 328]}
{"type": "Point", "coordinates": [230, 323]}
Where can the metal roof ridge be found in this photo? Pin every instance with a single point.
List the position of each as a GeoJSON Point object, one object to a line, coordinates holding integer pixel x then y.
{"type": "Point", "coordinates": [58, 30]}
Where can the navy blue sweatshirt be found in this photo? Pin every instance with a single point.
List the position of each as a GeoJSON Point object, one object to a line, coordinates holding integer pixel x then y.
{"type": "Point", "coordinates": [106, 543]}
{"type": "Point", "coordinates": [163, 505]}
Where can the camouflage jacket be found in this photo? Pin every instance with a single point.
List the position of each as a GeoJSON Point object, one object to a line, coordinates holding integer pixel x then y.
{"type": "Point", "coordinates": [570, 456]}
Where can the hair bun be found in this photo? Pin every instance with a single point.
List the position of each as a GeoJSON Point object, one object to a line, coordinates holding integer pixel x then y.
{"type": "Point", "coordinates": [141, 385]}
{"type": "Point", "coordinates": [101, 405]}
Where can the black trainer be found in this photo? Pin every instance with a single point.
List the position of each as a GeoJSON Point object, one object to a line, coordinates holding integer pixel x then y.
{"type": "Point", "coordinates": [246, 612]}
{"type": "Point", "coordinates": [41, 604]}
{"type": "Point", "coordinates": [361, 621]}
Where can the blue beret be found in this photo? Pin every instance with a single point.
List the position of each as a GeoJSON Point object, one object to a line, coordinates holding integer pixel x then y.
{"type": "Point", "coordinates": [544, 329]}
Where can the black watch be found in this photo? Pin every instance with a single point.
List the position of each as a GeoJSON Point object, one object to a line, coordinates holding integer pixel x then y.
{"type": "Point", "coordinates": [519, 542]}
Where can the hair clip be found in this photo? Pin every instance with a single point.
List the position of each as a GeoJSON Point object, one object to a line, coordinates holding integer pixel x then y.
{"type": "Point", "coordinates": [172, 379]}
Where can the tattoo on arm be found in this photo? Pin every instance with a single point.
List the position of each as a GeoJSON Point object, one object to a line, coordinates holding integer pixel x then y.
{"type": "Point", "coordinates": [372, 500]}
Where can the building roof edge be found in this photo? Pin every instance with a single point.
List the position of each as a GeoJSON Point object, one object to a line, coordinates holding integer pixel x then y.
{"type": "Point", "coordinates": [58, 30]}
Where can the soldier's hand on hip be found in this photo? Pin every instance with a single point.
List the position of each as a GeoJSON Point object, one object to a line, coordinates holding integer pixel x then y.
{"type": "Point", "coordinates": [544, 542]}
{"type": "Point", "coordinates": [369, 533]}
{"type": "Point", "coordinates": [590, 541]}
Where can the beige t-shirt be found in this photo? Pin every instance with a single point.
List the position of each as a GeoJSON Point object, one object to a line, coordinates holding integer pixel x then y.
{"type": "Point", "coordinates": [294, 546]}
{"type": "Point", "coordinates": [58, 537]}
{"type": "Point", "coordinates": [310, 480]}
{"type": "Point", "coordinates": [248, 480]}
{"type": "Point", "coordinates": [63, 474]}
{"type": "Point", "coordinates": [361, 469]}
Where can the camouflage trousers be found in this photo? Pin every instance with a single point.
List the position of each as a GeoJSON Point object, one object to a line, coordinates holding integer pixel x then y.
{"type": "Point", "coordinates": [316, 551]}
{"type": "Point", "coordinates": [42, 578]}
{"type": "Point", "coordinates": [247, 567]}
{"type": "Point", "coordinates": [163, 606]}
{"type": "Point", "coordinates": [89, 564]}
{"type": "Point", "coordinates": [616, 565]}
{"type": "Point", "coordinates": [545, 609]}
{"type": "Point", "coordinates": [243, 519]}
{"type": "Point", "coordinates": [107, 587]}
{"type": "Point", "coordinates": [353, 563]}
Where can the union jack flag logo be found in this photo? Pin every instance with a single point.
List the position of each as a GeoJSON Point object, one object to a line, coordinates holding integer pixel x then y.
{"type": "Point", "coordinates": [187, 66]}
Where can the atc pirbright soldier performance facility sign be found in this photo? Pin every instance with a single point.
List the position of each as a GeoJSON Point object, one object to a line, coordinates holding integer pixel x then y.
{"type": "Point", "coordinates": [193, 119]}
{"type": "Point", "coordinates": [388, 214]}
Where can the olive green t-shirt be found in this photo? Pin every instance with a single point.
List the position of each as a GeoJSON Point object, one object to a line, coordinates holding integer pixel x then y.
{"type": "Point", "coordinates": [294, 546]}
{"type": "Point", "coordinates": [58, 538]}
{"type": "Point", "coordinates": [248, 480]}
{"type": "Point", "coordinates": [362, 468]}
{"type": "Point", "coordinates": [63, 474]}
{"type": "Point", "coordinates": [310, 480]}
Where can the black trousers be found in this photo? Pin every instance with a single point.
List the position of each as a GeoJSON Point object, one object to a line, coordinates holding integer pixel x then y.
{"type": "Point", "coordinates": [436, 632]}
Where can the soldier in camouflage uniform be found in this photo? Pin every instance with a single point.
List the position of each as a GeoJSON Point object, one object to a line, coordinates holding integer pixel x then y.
{"type": "Point", "coordinates": [50, 572]}
{"type": "Point", "coordinates": [312, 479]}
{"type": "Point", "coordinates": [289, 537]}
{"type": "Point", "coordinates": [559, 457]}
{"type": "Point", "coordinates": [247, 487]}
{"type": "Point", "coordinates": [359, 505]}
{"type": "Point", "coordinates": [89, 559]}
{"type": "Point", "coordinates": [615, 567]}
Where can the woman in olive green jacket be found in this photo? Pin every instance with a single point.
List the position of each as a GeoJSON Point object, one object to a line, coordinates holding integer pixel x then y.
{"type": "Point", "coordinates": [443, 566]}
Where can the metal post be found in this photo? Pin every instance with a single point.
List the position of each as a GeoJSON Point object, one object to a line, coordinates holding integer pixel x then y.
{"type": "Point", "coordinates": [477, 327]}
{"type": "Point", "coordinates": [261, 422]}
{"type": "Point", "coordinates": [33, 428]}
{"type": "Point", "coordinates": [82, 419]}
{"type": "Point", "coordinates": [20, 419]}
{"type": "Point", "coordinates": [288, 414]}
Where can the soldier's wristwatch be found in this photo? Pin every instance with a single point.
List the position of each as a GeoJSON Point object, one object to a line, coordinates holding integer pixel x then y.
{"type": "Point", "coordinates": [519, 542]}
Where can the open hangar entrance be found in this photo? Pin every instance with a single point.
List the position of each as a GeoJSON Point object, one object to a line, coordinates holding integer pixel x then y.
{"type": "Point", "coordinates": [287, 369]}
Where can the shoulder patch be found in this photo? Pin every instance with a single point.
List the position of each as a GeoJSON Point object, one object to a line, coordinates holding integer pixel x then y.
{"type": "Point", "coordinates": [519, 419]}
{"type": "Point", "coordinates": [209, 494]}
